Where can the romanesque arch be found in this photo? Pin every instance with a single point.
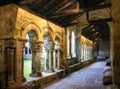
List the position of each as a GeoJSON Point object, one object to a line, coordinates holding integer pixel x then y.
{"type": "Point", "coordinates": [32, 31]}
{"type": "Point", "coordinates": [47, 50]}
{"type": "Point", "coordinates": [26, 28]}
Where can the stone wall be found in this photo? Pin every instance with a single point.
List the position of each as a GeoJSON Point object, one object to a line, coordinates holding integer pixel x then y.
{"type": "Point", "coordinates": [104, 49]}
{"type": "Point", "coordinates": [115, 33]}
{"type": "Point", "coordinates": [7, 24]}
{"type": "Point", "coordinates": [7, 20]}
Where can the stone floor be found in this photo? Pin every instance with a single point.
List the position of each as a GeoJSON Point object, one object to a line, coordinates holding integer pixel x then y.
{"type": "Point", "coordinates": [89, 77]}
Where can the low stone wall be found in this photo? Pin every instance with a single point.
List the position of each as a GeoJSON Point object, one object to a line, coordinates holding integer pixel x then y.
{"type": "Point", "coordinates": [41, 82]}
{"type": "Point", "coordinates": [72, 61]}
{"type": "Point", "coordinates": [113, 87]}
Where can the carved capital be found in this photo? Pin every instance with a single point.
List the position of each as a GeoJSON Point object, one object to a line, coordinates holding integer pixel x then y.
{"type": "Point", "coordinates": [33, 46]}
{"type": "Point", "coordinates": [10, 43]}
{"type": "Point", "coordinates": [36, 45]}
{"type": "Point", "coordinates": [39, 46]}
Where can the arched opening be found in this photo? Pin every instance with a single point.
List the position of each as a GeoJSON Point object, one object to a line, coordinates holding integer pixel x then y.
{"type": "Point", "coordinates": [47, 60]}
{"type": "Point", "coordinates": [73, 44]}
{"type": "Point", "coordinates": [28, 55]}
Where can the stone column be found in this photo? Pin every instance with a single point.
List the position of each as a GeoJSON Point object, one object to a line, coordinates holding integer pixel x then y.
{"type": "Point", "coordinates": [33, 49]}
{"type": "Point", "coordinates": [50, 49]}
{"type": "Point", "coordinates": [62, 56]}
{"type": "Point", "coordinates": [78, 50]}
{"type": "Point", "coordinates": [36, 47]}
{"type": "Point", "coordinates": [115, 33]}
{"type": "Point", "coordinates": [51, 60]}
{"type": "Point", "coordinates": [47, 61]}
{"type": "Point", "coordinates": [20, 60]}
{"type": "Point", "coordinates": [58, 59]}
{"type": "Point", "coordinates": [54, 59]}
{"type": "Point", "coordinates": [10, 52]}
{"type": "Point", "coordinates": [33, 62]}
{"type": "Point", "coordinates": [38, 58]}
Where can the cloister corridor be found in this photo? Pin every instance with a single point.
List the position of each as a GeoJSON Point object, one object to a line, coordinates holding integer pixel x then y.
{"type": "Point", "coordinates": [57, 44]}
{"type": "Point", "coordinates": [89, 77]}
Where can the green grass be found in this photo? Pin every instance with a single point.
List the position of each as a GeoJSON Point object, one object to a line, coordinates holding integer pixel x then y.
{"type": "Point", "coordinates": [27, 67]}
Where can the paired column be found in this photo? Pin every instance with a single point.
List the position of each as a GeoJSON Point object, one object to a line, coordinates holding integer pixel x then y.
{"type": "Point", "coordinates": [51, 58]}
{"type": "Point", "coordinates": [36, 58]}
{"type": "Point", "coordinates": [56, 59]}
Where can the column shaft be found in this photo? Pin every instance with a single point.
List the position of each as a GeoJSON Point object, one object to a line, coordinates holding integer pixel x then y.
{"type": "Point", "coordinates": [10, 66]}
{"type": "Point", "coordinates": [58, 59]}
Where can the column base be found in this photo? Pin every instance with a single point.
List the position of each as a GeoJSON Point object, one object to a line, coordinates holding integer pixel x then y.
{"type": "Point", "coordinates": [11, 84]}
{"type": "Point", "coordinates": [49, 71]}
{"type": "Point", "coordinates": [38, 74]}
{"type": "Point", "coordinates": [23, 79]}
{"type": "Point", "coordinates": [56, 68]}
{"type": "Point", "coordinates": [113, 87]}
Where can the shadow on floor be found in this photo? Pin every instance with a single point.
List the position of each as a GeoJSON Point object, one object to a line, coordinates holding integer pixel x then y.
{"type": "Point", "coordinates": [89, 77]}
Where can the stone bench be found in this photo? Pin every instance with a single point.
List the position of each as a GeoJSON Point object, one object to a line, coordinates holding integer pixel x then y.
{"type": "Point", "coordinates": [108, 62]}
{"type": "Point", "coordinates": [107, 76]}
{"type": "Point", "coordinates": [107, 73]}
{"type": "Point", "coordinates": [107, 68]}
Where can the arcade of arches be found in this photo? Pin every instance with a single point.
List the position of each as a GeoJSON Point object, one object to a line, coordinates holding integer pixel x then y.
{"type": "Point", "coordinates": [52, 51]}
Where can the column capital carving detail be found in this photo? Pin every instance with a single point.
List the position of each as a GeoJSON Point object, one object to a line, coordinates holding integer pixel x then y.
{"type": "Point", "coordinates": [10, 43]}
{"type": "Point", "coordinates": [36, 45]}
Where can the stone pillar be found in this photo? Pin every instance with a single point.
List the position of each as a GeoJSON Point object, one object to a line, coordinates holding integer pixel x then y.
{"type": "Point", "coordinates": [54, 59]}
{"type": "Point", "coordinates": [33, 49]}
{"type": "Point", "coordinates": [78, 50]}
{"type": "Point", "coordinates": [47, 61]}
{"type": "Point", "coordinates": [36, 47]}
{"type": "Point", "coordinates": [38, 58]}
{"type": "Point", "coordinates": [62, 56]}
{"type": "Point", "coordinates": [58, 59]}
{"type": "Point", "coordinates": [115, 33]}
{"type": "Point", "coordinates": [33, 62]}
{"type": "Point", "coordinates": [20, 60]}
{"type": "Point", "coordinates": [10, 52]}
{"type": "Point", "coordinates": [50, 48]}
{"type": "Point", "coordinates": [51, 69]}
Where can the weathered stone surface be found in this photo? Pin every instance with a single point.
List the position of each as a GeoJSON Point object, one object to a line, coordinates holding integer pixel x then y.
{"type": "Point", "coordinates": [89, 77]}
{"type": "Point", "coordinates": [7, 20]}
{"type": "Point", "coordinates": [113, 87]}
{"type": "Point", "coordinates": [116, 40]}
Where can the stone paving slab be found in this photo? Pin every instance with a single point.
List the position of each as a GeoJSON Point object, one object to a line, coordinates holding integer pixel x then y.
{"type": "Point", "coordinates": [89, 77]}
